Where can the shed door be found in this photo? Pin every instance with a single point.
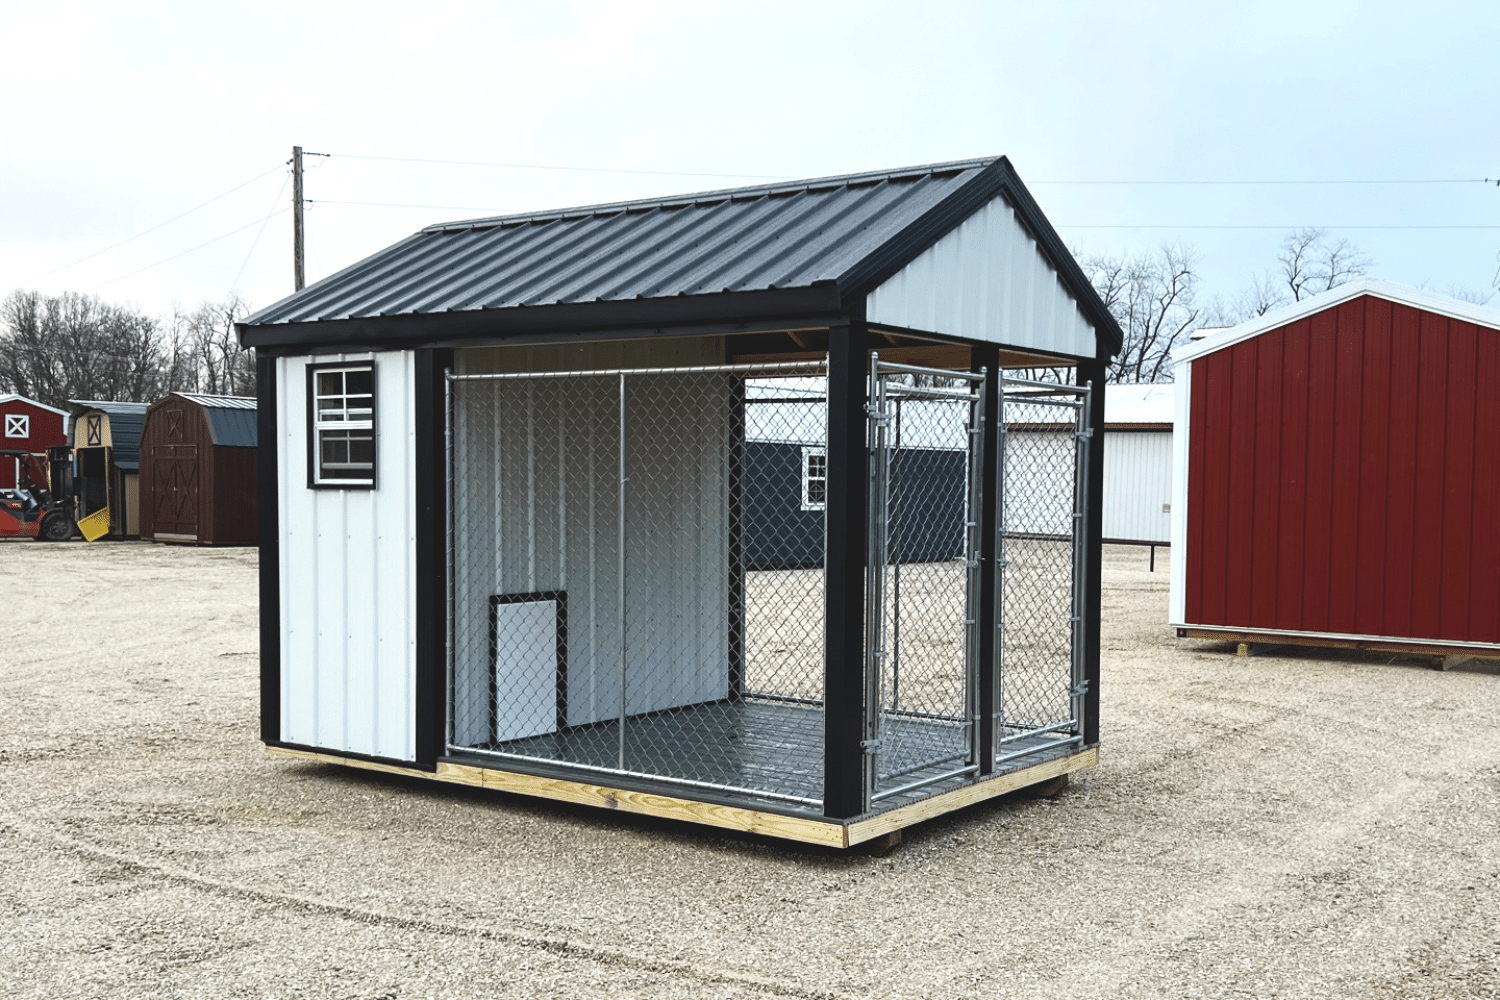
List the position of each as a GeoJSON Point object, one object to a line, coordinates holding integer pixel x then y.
{"type": "Point", "coordinates": [174, 491]}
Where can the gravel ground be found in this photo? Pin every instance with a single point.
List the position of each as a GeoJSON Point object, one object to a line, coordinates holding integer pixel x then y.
{"type": "Point", "coordinates": [1305, 825]}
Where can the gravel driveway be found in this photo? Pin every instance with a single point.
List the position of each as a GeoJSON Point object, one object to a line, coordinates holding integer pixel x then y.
{"type": "Point", "coordinates": [1313, 824]}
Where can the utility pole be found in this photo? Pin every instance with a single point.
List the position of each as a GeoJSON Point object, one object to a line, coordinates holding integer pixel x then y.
{"type": "Point", "coordinates": [297, 270]}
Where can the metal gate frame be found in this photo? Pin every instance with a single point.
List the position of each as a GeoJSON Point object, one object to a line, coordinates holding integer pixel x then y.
{"type": "Point", "coordinates": [1064, 732]}
{"type": "Point", "coordinates": [884, 412]}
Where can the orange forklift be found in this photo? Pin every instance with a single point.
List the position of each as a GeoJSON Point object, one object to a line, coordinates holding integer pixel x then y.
{"type": "Point", "coordinates": [40, 505]}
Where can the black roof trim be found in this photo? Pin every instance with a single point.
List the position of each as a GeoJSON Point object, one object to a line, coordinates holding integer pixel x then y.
{"type": "Point", "coordinates": [423, 328]}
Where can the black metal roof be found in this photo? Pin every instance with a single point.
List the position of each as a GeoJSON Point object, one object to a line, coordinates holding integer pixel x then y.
{"type": "Point", "coordinates": [125, 423]}
{"type": "Point", "coordinates": [231, 419]}
{"type": "Point", "coordinates": [793, 249]}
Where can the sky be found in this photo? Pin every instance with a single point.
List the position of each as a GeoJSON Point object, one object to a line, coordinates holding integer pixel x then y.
{"type": "Point", "coordinates": [147, 143]}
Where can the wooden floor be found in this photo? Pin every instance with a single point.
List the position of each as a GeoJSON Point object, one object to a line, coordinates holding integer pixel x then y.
{"type": "Point", "coordinates": [757, 765]}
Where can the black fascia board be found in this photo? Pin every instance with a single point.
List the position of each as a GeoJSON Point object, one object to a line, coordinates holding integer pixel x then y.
{"type": "Point", "coordinates": [999, 178]}
{"type": "Point", "coordinates": [431, 329]}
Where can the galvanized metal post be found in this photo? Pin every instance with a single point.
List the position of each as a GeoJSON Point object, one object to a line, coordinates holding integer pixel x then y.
{"type": "Point", "coordinates": [621, 571]}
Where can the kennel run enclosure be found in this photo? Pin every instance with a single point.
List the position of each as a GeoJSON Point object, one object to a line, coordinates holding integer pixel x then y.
{"type": "Point", "coordinates": [727, 508]}
{"type": "Point", "coordinates": [604, 620]}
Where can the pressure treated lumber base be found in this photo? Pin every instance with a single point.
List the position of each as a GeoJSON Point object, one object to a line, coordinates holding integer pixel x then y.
{"type": "Point", "coordinates": [829, 833]}
{"type": "Point", "coordinates": [1247, 641]}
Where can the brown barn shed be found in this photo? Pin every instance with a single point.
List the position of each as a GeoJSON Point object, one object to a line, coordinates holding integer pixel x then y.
{"type": "Point", "coordinates": [198, 470]}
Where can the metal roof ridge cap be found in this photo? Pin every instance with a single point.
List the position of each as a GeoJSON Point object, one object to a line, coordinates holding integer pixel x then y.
{"type": "Point", "coordinates": [719, 194]}
{"type": "Point", "coordinates": [1390, 291]}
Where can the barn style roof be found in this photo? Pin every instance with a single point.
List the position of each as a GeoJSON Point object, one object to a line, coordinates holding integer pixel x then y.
{"type": "Point", "coordinates": [231, 419]}
{"type": "Point", "coordinates": [777, 250]}
{"type": "Point", "coordinates": [1417, 298]}
{"type": "Point", "coordinates": [125, 423]}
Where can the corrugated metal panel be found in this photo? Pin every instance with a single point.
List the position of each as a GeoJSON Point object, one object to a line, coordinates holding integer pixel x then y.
{"type": "Point", "coordinates": [348, 604]}
{"type": "Point", "coordinates": [763, 237]}
{"type": "Point", "coordinates": [1138, 485]}
{"type": "Point", "coordinates": [1339, 474]}
{"type": "Point", "coordinates": [535, 510]}
{"type": "Point", "coordinates": [231, 419]}
{"type": "Point", "coordinates": [986, 280]}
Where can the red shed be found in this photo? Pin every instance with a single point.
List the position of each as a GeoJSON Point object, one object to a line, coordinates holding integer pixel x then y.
{"type": "Point", "coordinates": [26, 425]}
{"type": "Point", "coordinates": [198, 470]}
{"type": "Point", "coordinates": [1337, 469]}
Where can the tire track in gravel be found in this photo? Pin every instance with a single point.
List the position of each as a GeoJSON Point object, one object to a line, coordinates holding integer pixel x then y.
{"type": "Point", "coordinates": [558, 946]}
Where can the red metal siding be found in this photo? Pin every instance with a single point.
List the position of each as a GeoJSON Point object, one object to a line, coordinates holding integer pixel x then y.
{"type": "Point", "coordinates": [1342, 477]}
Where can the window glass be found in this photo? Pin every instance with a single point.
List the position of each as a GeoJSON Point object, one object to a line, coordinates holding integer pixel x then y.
{"type": "Point", "coordinates": [343, 426]}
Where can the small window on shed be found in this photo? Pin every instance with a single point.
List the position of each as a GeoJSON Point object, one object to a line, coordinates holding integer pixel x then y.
{"type": "Point", "coordinates": [341, 441]}
{"type": "Point", "coordinates": [814, 479]}
{"type": "Point", "coordinates": [17, 425]}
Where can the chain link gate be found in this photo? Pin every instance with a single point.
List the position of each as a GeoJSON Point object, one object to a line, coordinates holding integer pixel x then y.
{"type": "Point", "coordinates": [623, 597]}
{"type": "Point", "coordinates": [1045, 438]}
{"type": "Point", "coordinates": [922, 576]}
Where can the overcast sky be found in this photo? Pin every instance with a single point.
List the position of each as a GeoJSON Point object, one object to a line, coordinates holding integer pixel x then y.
{"type": "Point", "coordinates": [120, 117]}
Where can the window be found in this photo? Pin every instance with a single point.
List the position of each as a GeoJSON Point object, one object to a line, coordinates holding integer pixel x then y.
{"type": "Point", "coordinates": [17, 425]}
{"type": "Point", "coordinates": [341, 446]}
{"type": "Point", "coordinates": [814, 479]}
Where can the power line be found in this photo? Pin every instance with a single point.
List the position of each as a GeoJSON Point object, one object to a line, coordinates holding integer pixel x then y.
{"type": "Point", "coordinates": [1433, 180]}
{"type": "Point", "coordinates": [256, 242]}
{"type": "Point", "coordinates": [200, 246]}
{"type": "Point", "coordinates": [1066, 225]}
{"type": "Point", "coordinates": [543, 166]}
{"type": "Point", "coordinates": [154, 228]}
{"type": "Point", "coordinates": [387, 204]}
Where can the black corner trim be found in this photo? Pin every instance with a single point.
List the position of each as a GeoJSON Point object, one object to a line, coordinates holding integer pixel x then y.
{"type": "Point", "coordinates": [268, 530]}
{"type": "Point", "coordinates": [431, 376]}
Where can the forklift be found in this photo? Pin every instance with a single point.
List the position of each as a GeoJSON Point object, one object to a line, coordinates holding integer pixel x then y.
{"type": "Point", "coordinates": [40, 505]}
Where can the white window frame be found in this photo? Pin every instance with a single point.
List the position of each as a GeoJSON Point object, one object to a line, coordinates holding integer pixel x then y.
{"type": "Point", "coordinates": [342, 419]}
{"type": "Point", "coordinates": [808, 454]}
{"type": "Point", "coordinates": [18, 425]}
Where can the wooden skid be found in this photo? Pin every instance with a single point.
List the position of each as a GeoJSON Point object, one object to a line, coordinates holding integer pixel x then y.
{"type": "Point", "coordinates": [828, 833]}
{"type": "Point", "coordinates": [1336, 642]}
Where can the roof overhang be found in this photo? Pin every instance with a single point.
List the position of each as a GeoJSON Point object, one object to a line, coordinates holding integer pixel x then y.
{"type": "Point", "coordinates": [1443, 305]}
{"type": "Point", "coordinates": [761, 308]}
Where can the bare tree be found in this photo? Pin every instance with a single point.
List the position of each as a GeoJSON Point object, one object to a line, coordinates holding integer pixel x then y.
{"type": "Point", "coordinates": [72, 346]}
{"type": "Point", "coordinates": [1153, 297]}
{"type": "Point", "coordinates": [1313, 260]}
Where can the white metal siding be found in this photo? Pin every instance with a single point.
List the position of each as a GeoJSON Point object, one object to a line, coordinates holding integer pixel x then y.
{"type": "Point", "coordinates": [986, 280]}
{"type": "Point", "coordinates": [1177, 599]}
{"type": "Point", "coordinates": [348, 598]}
{"type": "Point", "coordinates": [1138, 486]}
{"type": "Point", "coordinates": [535, 511]}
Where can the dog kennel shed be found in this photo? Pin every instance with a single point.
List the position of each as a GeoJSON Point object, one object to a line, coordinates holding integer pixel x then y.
{"type": "Point", "coordinates": [1337, 466]}
{"type": "Point", "coordinates": [198, 465]}
{"type": "Point", "coordinates": [503, 487]}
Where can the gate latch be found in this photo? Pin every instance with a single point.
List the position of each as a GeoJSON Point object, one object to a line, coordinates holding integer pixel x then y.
{"type": "Point", "coordinates": [1079, 690]}
{"type": "Point", "coordinates": [1086, 434]}
{"type": "Point", "coordinates": [871, 747]}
